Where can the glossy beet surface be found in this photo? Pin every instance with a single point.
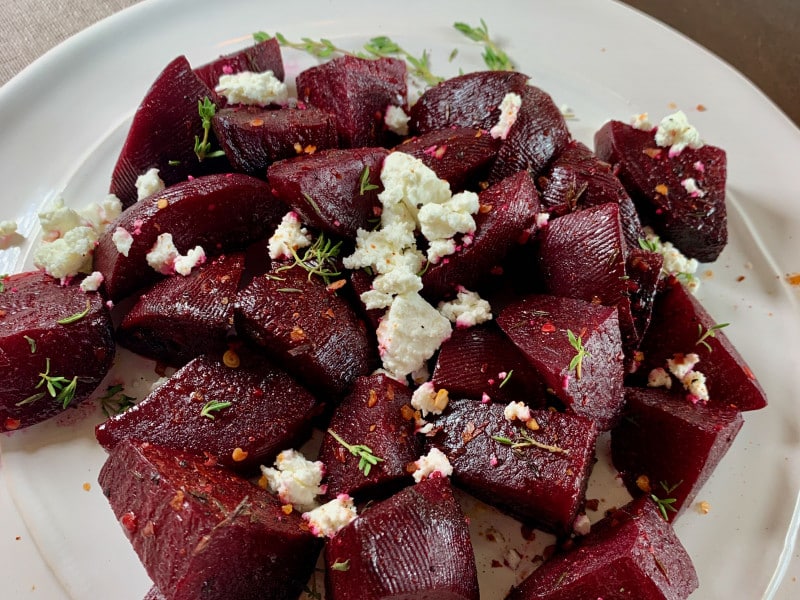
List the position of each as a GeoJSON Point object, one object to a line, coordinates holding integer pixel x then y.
{"type": "Point", "coordinates": [695, 223]}
{"type": "Point", "coordinates": [333, 190]}
{"type": "Point", "coordinates": [668, 447]}
{"type": "Point", "coordinates": [632, 554]}
{"type": "Point", "coordinates": [183, 317]}
{"type": "Point", "coordinates": [263, 56]}
{"type": "Point", "coordinates": [413, 545]}
{"type": "Point", "coordinates": [539, 325]}
{"type": "Point", "coordinates": [218, 212]}
{"type": "Point", "coordinates": [31, 340]}
{"type": "Point", "coordinates": [268, 412]}
{"type": "Point", "coordinates": [372, 414]}
{"type": "Point", "coordinates": [542, 485]}
{"type": "Point", "coordinates": [203, 532]}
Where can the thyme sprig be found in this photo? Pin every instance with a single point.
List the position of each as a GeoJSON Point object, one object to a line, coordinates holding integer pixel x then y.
{"type": "Point", "coordinates": [711, 332]}
{"type": "Point", "coordinates": [59, 388]}
{"type": "Point", "coordinates": [318, 259]}
{"type": "Point", "coordinates": [366, 459]}
{"type": "Point", "coordinates": [576, 363]}
{"type": "Point", "coordinates": [494, 57]}
{"type": "Point", "coordinates": [202, 148]}
{"type": "Point", "coordinates": [115, 402]}
{"type": "Point", "coordinates": [3, 278]}
{"type": "Point", "coordinates": [74, 318]}
{"type": "Point", "coordinates": [650, 244]}
{"type": "Point", "coordinates": [506, 378]}
{"type": "Point", "coordinates": [364, 185]}
{"type": "Point", "coordinates": [211, 407]}
{"type": "Point", "coordinates": [341, 565]}
{"type": "Point", "coordinates": [523, 440]}
{"type": "Point", "coordinates": [666, 504]}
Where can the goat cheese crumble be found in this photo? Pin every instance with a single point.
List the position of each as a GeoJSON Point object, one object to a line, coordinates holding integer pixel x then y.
{"type": "Point", "coordinates": [429, 401]}
{"type": "Point", "coordinates": [123, 240]}
{"type": "Point", "coordinates": [517, 411]}
{"type": "Point", "coordinates": [396, 120]}
{"type": "Point", "coordinates": [165, 258]}
{"type": "Point", "coordinates": [675, 262]}
{"type": "Point", "coordinates": [295, 480]}
{"type": "Point", "coordinates": [691, 187]}
{"type": "Point", "coordinates": [258, 89]}
{"type": "Point", "coordinates": [509, 111]}
{"type": "Point", "coordinates": [68, 255]}
{"type": "Point", "coordinates": [676, 132]}
{"type": "Point", "coordinates": [8, 232]}
{"type": "Point", "coordinates": [433, 462]}
{"type": "Point", "coordinates": [148, 183]}
{"type": "Point", "coordinates": [467, 310]}
{"type": "Point", "coordinates": [92, 282]}
{"type": "Point", "coordinates": [641, 121]}
{"type": "Point", "coordinates": [289, 235]}
{"type": "Point", "coordinates": [328, 519]}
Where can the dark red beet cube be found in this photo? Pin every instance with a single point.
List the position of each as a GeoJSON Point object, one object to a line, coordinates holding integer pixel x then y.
{"type": "Point", "coordinates": [543, 485]}
{"type": "Point", "coordinates": [413, 545]}
{"type": "Point", "coordinates": [632, 554]}
{"type": "Point", "coordinates": [254, 137]}
{"type": "Point", "coordinates": [32, 342]}
{"type": "Point", "coordinates": [332, 190]}
{"type": "Point", "coordinates": [666, 446]}
{"type": "Point", "coordinates": [643, 269]}
{"type": "Point", "coordinates": [180, 318]}
{"type": "Point", "coordinates": [202, 531]}
{"type": "Point", "coordinates": [469, 100]}
{"type": "Point", "coordinates": [590, 385]}
{"type": "Point", "coordinates": [357, 92]}
{"type": "Point", "coordinates": [695, 222]}
{"type": "Point", "coordinates": [268, 412]}
{"type": "Point", "coordinates": [263, 56]}
{"type": "Point", "coordinates": [372, 414]}
{"type": "Point", "coordinates": [679, 322]}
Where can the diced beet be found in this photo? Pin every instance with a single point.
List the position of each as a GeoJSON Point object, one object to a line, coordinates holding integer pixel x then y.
{"type": "Point", "coordinates": [163, 132]}
{"type": "Point", "coordinates": [254, 137]}
{"type": "Point", "coordinates": [357, 92]}
{"type": "Point", "coordinates": [471, 362]}
{"type": "Point", "coordinates": [413, 545]}
{"type": "Point", "coordinates": [539, 325]}
{"type": "Point", "coordinates": [538, 135]}
{"type": "Point", "coordinates": [460, 155]}
{"type": "Point", "coordinates": [361, 281]}
{"type": "Point", "coordinates": [631, 554]}
{"type": "Point", "coordinates": [542, 485]}
{"type": "Point", "coordinates": [180, 318]}
{"type": "Point", "coordinates": [371, 415]}
{"type": "Point", "coordinates": [696, 223]}
{"type": "Point", "coordinates": [202, 531]}
{"type": "Point", "coordinates": [268, 413]}
{"type": "Point", "coordinates": [310, 330]}
{"type": "Point", "coordinates": [577, 179]}
{"type": "Point", "coordinates": [33, 343]}
{"type": "Point", "coordinates": [154, 594]}
{"type": "Point", "coordinates": [508, 211]}
{"type": "Point", "coordinates": [325, 188]}
{"type": "Point", "coordinates": [218, 212]}
{"type": "Point", "coordinates": [263, 56]}
{"type": "Point", "coordinates": [643, 268]}
{"type": "Point", "coordinates": [677, 324]}
{"type": "Point", "coordinates": [469, 100]}
{"type": "Point", "coordinates": [666, 446]}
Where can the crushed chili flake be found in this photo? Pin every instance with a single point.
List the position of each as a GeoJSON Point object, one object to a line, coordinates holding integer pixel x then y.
{"type": "Point", "coordinates": [701, 108]}
{"type": "Point", "coordinates": [548, 328]}
{"type": "Point", "coordinates": [793, 279]}
{"type": "Point", "coordinates": [87, 486]}
{"type": "Point", "coordinates": [11, 424]}
{"type": "Point", "coordinates": [485, 208]}
{"type": "Point", "coordinates": [373, 398]}
{"type": "Point", "coordinates": [532, 424]}
{"type": "Point", "coordinates": [643, 483]}
{"type": "Point", "coordinates": [177, 500]}
{"type": "Point", "coordinates": [297, 334]}
{"type": "Point", "coordinates": [336, 285]}
{"type": "Point", "coordinates": [230, 359]}
{"type": "Point", "coordinates": [287, 509]}
{"type": "Point", "coordinates": [298, 148]}
{"type": "Point", "coordinates": [407, 412]}
{"type": "Point", "coordinates": [238, 455]}
{"type": "Point", "coordinates": [652, 152]}
{"type": "Point", "coordinates": [662, 189]}
{"type": "Point", "coordinates": [162, 203]}
{"type": "Point", "coordinates": [703, 507]}
{"type": "Point", "coordinates": [257, 122]}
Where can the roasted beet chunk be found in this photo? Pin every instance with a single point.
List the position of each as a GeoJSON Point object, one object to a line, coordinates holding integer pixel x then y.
{"type": "Point", "coordinates": [413, 545]}
{"type": "Point", "coordinates": [333, 190]}
{"type": "Point", "coordinates": [373, 414]}
{"type": "Point", "coordinates": [263, 56]}
{"type": "Point", "coordinates": [576, 347]}
{"type": "Point", "coordinates": [239, 416]}
{"type": "Point", "coordinates": [163, 132]}
{"type": "Point", "coordinates": [49, 365]}
{"type": "Point", "coordinates": [536, 471]}
{"type": "Point", "coordinates": [682, 197]}
{"type": "Point", "coordinates": [203, 532]}
{"type": "Point", "coordinates": [183, 317]}
{"type": "Point", "coordinates": [631, 554]}
{"type": "Point", "coordinates": [357, 92]}
{"type": "Point", "coordinates": [253, 137]}
{"type": "Point", "coordinates": [667, 447]}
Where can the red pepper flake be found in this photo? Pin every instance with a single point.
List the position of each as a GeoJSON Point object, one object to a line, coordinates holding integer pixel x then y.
{"type": "Point", "coordinates": [129, 522]}
{"type": "Point", "coordinates": [662, 189]}
{"type": "Point", "coordinates": [297, 334]}
{"type": "Point", "coordinates": [162, 203]}
{"type": "Point", "coordinates": [793, 279]}
{"type": "Point", "coordinates": [548, 328]}
{"type": "Point", "coordinates": [373, 399]}
{"type": "Point", "coordinates": [310, 149]}
{"type": "Point", "coordinates": [740, 278]}
{"type": "Point", "coordinates": [336, 285]}
{"type": "Point", "coordinates": [372, 428]}
{"type": "Point", "coordinates": [652, 152]}
{"type": "Point", "coordinates": [11, 424]}
{"type": "Point", "coordinates": [407, 412]}
{"type": "Point", "coordinates": [177, 501]}
{"type": "Point", "coordinates": [238, 455]}
{"type": "Point", "coordinates": [287, 509]}
{"type": "Point", "coordinates": [298, 148]}
{"type": "Point", "coordinates": [485, 208]}
{"type": "Point", "coordinates": [701, 108]}
{"type": "Point", "coordinates": [593, 504]}
{"type": "Point", "coordinates": [257, 122]}
{"type": "Point", "coordinates": [643, 483]}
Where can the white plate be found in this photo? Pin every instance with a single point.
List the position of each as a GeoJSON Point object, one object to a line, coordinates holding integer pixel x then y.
{"type": "Point", "coordinates": [62, 123]}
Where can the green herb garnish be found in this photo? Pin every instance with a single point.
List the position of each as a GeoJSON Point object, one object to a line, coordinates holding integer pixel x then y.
{"type": "Point", "coordinates": [523, 440]}
{"type": "Point", "coordinates": [31, 343]}
{"type": "Point", "coordinates": [651, 244]}
{"type": "Point", "coordinates": [363, 183]}
{"type": "Point", "coordinates": [3, 278]}
{"type": "Point", "coordinates": [318, 259]}
{"type": "Point", "coordinates": [366, 459]}
{"type": "Point", "coordinates": [77, 316]}
{"type": "Point", "coordinates": [494, 57]}
{"type": "Point", "coordinates": [114, 402]}
{"type": "Point", "coordinates": [576, 363]}
{"type": "Point", "coordinates": [711, 332]}
{"type": "Point", "coordinates": [340, 565]}
{"type": "Point", "coordinates": [505, 379]}
{"type": "Point", "coordinates": [212, 407]}
{"type": "Point", "coordinates": [666, 504]}
{"type": "Point", "coordinates": [60, 388]}
{"type": "Point", "coordinates": [202, 149]}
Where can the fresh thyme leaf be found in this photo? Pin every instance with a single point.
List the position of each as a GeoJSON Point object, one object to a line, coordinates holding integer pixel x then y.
{"type": "Point", "coordinates": [523, 440]}
{"type": "Point", "coordinates": [366, 459]}
{"type": "Point", "coordinates": [202, 148]}
{"type": "Point", "coordinates": [503, 440]}
{"type": "Point", "coordinates": [114, 402]}
{"type": "Point", "coordinates": [666, 504]}
{"type": "Point", "coordinates": [31, 399]}
{"type": "Point", "coordinates": [67, 393]}
{"type": "Point", "coordinates": [494, 57]}
{"type": "Point", "coordinates": [313, 204]}
{"type": "Point", "coordinates": [77, 316]}
{"type": "Point", "coordinates": [261, 36]}
{"type": "Point", "coordinates": [31, 343]}
{"type": "Point", "coordinates": [453, 55]}
{"type": "Point", "coordinates": [60, 388]}
{"type": "Point", "coordinates": [3, 278]}
{"type": "Point", "coordinates": [290, 290]}
{"type": "Point", "coordinates": [212, 407]}
{"type": "Point", "coordinates": [576, 363]}
{"type": "Point", "coordinates": [650, 244]}
{"type": "Point", "coordinates": [711, 332]}
{"type": "Point", "coordinates": [174, 163]}
{"type": "Point", "coordinates": [363, 183]}
{"type": "Point", "coordinates": [318, 259]}
{"type": "Point", "coordinates": [341, 565]}
{"type": "Point", "coordinates": [506, 378]}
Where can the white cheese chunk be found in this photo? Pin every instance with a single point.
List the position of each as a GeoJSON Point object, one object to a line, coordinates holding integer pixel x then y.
{"type": "Point", "coordinates": [295, 480]}
{"type": "Point", "coordinates": [509, 111]}
{"type": "Point", "coordinates": [258, 89]}
{"type": "Point", "coordinates": [148, 183]}
{"type": "Point", "coordinates": [328, 519]}
{"type": "Point", "coordinates": [467, 310]}
{"type": "Point", "coordinates": [676, 132]}
{"type": "Point", "coordinates": [396, 120]}
{"type": "Point", "coordinates": [434, 461]}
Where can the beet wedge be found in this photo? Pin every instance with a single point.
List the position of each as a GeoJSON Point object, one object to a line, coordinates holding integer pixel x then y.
{"type": "Point", "coordinates": [632, 553]}
{"type": "Point", "coordinates": [667, 447]}
{"type": "Point", "coordinates": [335, 191]}
{"type": "Point", "coordinates": [253, 138]}
{"type": "Point", "coordinates": [357, 92]}
{"type": "Point", "coordinates": [694, 221]}
{"type": "Point", "coordinates": [576, 347]}
{"type": "Point", "coordinates": [260, 57]}
{"type": "Point", "coordinates": [218, 212]}
{"type": "Point", "coordinates": [237, 416]}
{"type": "Point", "coordinates": [163, 131]}
{"type": "Point", "coordinates": [202, 531]}
{"type": "Point", "coordinates": [49, 365]}
{"type": "Point", "coordinates": [538, 476]}
{"type": "Point", "coordinates": [180, 318]}
{"type": "Point", "coordinates": [373, 415]}
{"type": "Point", "coordinates": [413, 545]}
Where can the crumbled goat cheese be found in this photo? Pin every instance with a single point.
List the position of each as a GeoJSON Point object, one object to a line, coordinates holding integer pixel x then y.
{"type": "Point", "coordinates": [253, 88]}
{"type": "Point", "coordinates": [92, 282]}
{"type": "Point", "coordinates": [517, 410]}
{"type": "Point", "coordinates": [682, 364]}
{"type": "Point", "coordinates": [659, 378]}
{"type": "Point", "coordinates": [99, 215]}
{"type": "Point", "coordinates": [195, 257]}
{"type": "Point", "coordinates": [427, 400]}
{"type": "Point", "coordinates": [68, 255]}
{"type": "Point", "coordinates": [8, 233]}
{"type": "Point", "coordinates": [542, 219]}
{"type": "Point", "coordinates": [440, 222]}
{"type": "Point", "coordinates": [289, 235]}
{"type": "Point", "coordinates": [675, 262]}
{"type": "Point", "coordinates": [165, 258]}
{"type": "Point", "coordinates": [148, 183]}
{"type": "Point", "coordinates": [396, 119]}
{"type": "Point", "coordinates": [296, 480]}
{"type": "Point", "coordinates": [509, 111]}
{"type": "Point", "coordinates": [467, 310]}
{"type": "Point", "coordinates": [57, 220]}
{"type": "Point", "coordinates": [676, 132]}
{"type": "Point", "coordinates": [641, 121]}
{"type": "Point", "coordinates": [690, 185]}
{"type": "Point", "coordinates": [434, 461]}
{"type": "Point", "coordinates": [582, 525]}
{"type": "Point", "coordinates": [328, 519]}
{"type": "Point", "coordinates": [695, 383]}
{"type": "Point", "coordinates": [123, 240]}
